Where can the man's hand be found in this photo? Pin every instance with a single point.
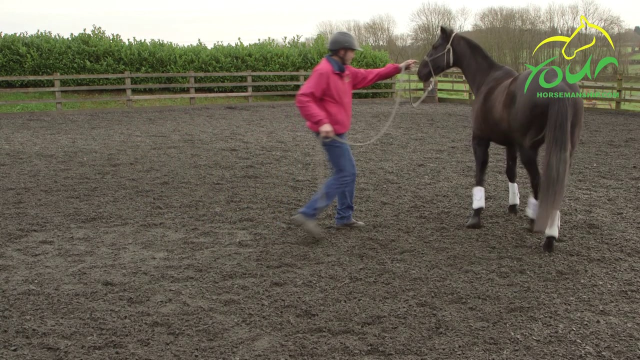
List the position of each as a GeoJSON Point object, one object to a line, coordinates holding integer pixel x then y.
{"type": "Point", "coordinates": [326, 131]}
{"type": "Point", "coordinates": [408, 65]}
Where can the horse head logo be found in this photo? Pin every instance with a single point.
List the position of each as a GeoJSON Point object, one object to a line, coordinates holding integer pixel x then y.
{"type": "Point", "coordinates": [583, 24]}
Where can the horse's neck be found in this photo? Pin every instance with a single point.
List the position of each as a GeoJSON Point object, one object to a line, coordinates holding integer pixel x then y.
{"type": "Point", "coordinates": [477, 74]}
{"type": "Point", "coordinates": [476, 68]}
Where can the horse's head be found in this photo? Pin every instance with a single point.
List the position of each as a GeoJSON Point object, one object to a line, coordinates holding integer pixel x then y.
{"type": "Point", "coordinates": [440, 57]}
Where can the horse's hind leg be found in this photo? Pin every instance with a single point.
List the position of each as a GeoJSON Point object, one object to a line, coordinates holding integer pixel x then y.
{"type": "Point", "coordinates": [481, 154]}
{"type": "Point", "coordinates": [514, 195]}
{"type": "Point", "coordinates": [529, 158]}
{"type": "Point", "coordinates": [552, 231]}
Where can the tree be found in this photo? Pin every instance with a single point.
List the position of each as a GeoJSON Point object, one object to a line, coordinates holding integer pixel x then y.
{"type": "Point", "coordinates": [379, 31]}
{"type": "Point", "coordinates": [426, 22]}
{"type": "Point", "coordinates": [399, 47]}
{"type": "Point", "coordinates": [326, 28]}
{"type": "Point", "coordinates": [356, 28]}
{"type": "Point", "coordinates": [462, 16]}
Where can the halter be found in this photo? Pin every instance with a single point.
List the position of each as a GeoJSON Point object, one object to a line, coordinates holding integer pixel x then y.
{"type": "Point", "coordinates": [445, 56]}
{"type": "Point", "coordinates": [450, 49]}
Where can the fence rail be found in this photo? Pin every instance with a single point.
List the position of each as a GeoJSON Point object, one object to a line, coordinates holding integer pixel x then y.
{"type": "Point", "coordinates": [453, 77]}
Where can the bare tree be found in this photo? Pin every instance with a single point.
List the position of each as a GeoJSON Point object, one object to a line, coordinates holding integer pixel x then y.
{"type": "Point", "coordinates": [426, 22]}
{"type": "Point", "coordinates": [511, 34]}
{"type": "Point", "coordinates": [326, 28]}
{"type": "Point", "coordinates": [379, 31]}
{"type": "Point", "coordinates": [508, 34]}
{"type": "Point", "coordinates": [356, 28]}
{"type": "Point", "coordinates": [463, 15]}
{"type": "Point", "coordinates": [399, 47]}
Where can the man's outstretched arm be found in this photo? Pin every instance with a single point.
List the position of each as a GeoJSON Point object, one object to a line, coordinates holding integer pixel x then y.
{"type": "Point", "coordinates": [366, 77]}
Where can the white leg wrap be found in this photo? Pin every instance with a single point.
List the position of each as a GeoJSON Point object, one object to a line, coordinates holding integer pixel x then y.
{"type": "Point", "coordinates": [514, 195]}
{"type": "Point", "coordinates": [532, 208]}
{"type": "Point", "coordinates": [553, 229]}
{"type": "Point", "coordinates": [478, 197]}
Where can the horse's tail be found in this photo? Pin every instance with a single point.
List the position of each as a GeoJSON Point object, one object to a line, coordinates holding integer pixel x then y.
{"type": "Point", "coordinates": [557, 160]}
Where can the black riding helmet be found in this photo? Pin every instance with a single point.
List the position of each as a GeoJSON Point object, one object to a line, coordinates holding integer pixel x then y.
{"type": "Point", "coordinates": [343, 40]}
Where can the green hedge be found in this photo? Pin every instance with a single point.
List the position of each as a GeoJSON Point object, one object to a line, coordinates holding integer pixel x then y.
{"type": "Point", "coordinates": [96, 52]}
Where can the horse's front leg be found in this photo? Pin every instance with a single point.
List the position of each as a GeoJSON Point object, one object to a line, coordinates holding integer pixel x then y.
{"type": "Point", "coordinates": [512, 171]}
{"type": "Point", "coordinates": [481, 154]}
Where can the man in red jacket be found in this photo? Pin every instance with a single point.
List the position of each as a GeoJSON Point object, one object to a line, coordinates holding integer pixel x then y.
{"type": "Point", "coordinates": [324, 101]}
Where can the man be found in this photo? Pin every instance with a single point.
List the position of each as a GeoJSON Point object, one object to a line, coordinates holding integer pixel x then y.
{"type": "Point", "coordinates": [324, 101]}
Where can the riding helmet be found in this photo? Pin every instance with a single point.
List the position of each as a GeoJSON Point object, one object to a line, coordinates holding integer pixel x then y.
{"type": "Point", "coordinates": [343, 40]}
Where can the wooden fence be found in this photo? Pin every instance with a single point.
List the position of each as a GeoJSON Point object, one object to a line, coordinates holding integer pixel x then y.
{"type": "Point", "coordinates": [453, 76]}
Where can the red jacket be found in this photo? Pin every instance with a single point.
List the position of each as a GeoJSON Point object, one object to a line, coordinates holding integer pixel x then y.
{"type": "Point", "coordinates": [326, 96]}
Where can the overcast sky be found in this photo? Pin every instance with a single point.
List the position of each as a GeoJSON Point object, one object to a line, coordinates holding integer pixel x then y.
{"type": "Point", "coordinates": [183, 22]}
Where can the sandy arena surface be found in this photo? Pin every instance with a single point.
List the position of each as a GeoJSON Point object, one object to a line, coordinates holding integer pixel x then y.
{"type": "Point", "coordinates": [165, 234]}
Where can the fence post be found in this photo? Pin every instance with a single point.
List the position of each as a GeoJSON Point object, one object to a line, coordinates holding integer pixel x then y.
{"type": "Point", "coordinates": [469, 91]}
{"type": "Point", "coordinates": [127, 83]}
{"type": "Point", "coordinates": [301, 78]}
{"type": "Point", "coordinates": [434, 91]}
{"type": "Point", "coordinates": [56, 83]}
{"type": "Point", "coordinates": [249, 87]}
{"type": "Point", "coordinates": [393, 87]}
{"type": "Point", "coordinates": [192, 89]}
{"type": "Point", "coordinates": [619, 90]}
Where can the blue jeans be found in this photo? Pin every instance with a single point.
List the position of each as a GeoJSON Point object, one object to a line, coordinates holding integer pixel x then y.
{"type": "Point", "coordinates": [341, 184]}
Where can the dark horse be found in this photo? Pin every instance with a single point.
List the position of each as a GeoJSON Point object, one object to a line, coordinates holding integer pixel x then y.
{"type": "Point", "coordinates": [504, 114]}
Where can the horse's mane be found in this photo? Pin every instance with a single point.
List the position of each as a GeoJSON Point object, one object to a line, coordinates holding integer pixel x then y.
{"type": "Point", "coordinates": [477, 49]}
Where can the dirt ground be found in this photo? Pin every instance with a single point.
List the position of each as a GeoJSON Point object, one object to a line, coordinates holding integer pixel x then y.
{"type": "Point", "coordinates": [165, 234]}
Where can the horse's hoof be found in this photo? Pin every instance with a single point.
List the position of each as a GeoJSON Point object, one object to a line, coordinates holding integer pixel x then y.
{"type": "Point", "coordinates": [548, 244]}
{"type": "Point", "coordinates": [532, 224]}
{"type": "Point", "coordinates": [513, 209]}
{"type": "Point", "coordinates": [474, 223]}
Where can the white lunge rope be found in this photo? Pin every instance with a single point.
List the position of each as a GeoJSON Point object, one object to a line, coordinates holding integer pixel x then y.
{"type": "Point", "coordinates": [393, 114]}
{"type": "Point", "coordinates": [384, 129]}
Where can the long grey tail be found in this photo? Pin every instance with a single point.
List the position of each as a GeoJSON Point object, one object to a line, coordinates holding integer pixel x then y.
{"type": "Point", "coordinates": [556, 163]}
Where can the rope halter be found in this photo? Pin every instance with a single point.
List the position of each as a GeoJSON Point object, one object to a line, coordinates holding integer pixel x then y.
{"type": "Point", "coordinates": [448, 48]}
